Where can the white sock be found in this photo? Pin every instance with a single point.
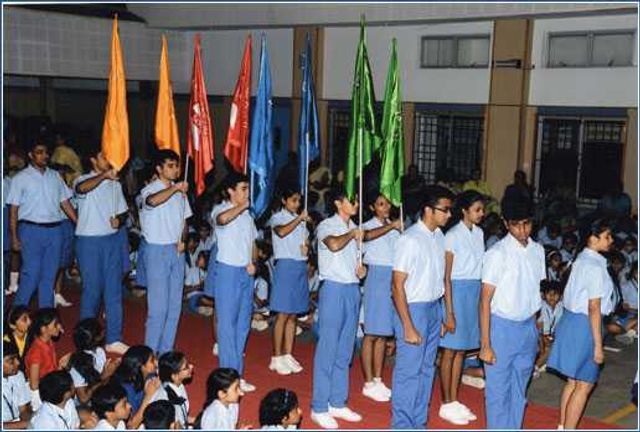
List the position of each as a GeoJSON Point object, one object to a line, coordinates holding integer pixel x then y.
{"type": "Point", "coordinates": [377, 379]}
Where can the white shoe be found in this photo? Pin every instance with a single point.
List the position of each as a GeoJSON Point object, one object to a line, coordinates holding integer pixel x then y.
{"type": "Point", "coordinates": [451, 413]}
{"type": "Point", "coordinates": [380, 384]}
{"type": "Point", "coordinates": [324, 420]}
{"type": "Point", "coordinates": [117, 348]}
{"type": "Point", "coordinates": [344, 413]}
{"type": "Point", "coordinates": [373, 391]}
{"type": "Point", "coordinates": [205, 310]}
{"type": "Point", "coordinates": [246, 387]}
{"type": "Point", "coordinates": [299, 330]}
{"type": "Point", "coordinates": [61, 301]}
{"type": "Point", "coordinates": [472, 381]}
{"type": "Point", "coordinates": [466, 411]}
{"type": "Point", "coordinates": [280, 365]}
{"type": "Point", "coordinates": [292, 363]}
{"type": "Point", "coordinates": [259, 325]}
{"type": "Point", "coordinates": [214, 350]}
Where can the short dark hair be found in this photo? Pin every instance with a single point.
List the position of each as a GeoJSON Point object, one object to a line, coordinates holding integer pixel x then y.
{"type": "Point", "coordinates": [516, 210]}
{"type": "Point", "coordinates": [159, 415]}
{"type": "Point", "coordinates": [547, 286]}
{"type": "Point", "coordinates": [54, 385]}
{"type": "Point", "coordinates": [434, 193]}
{"type": "Point", "coordinates": [9, 349]}
{"type": "Point", "coordinates": [337, 193]}
{"type": "Point", "coordinates": [232, 180]}
{"type": "Point", "coordinates": [169, 364]}
{"type": "Point", "coordinates": [37, 141]}
{"type": "Point", "coordinates": [164, 155]}
{"type": "Point", "coordinates": [106, 397]}
{"type": "Point", "coordinates": [277, 405]}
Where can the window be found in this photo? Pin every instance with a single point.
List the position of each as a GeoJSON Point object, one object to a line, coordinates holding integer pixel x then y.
{"type": "Point", "coordinates": [338, 137]}
{"type": "Point", "coordinates": [447, 146]}
{"type": "Point", "coordinates": [580, 155]}
{"type": "Point", "coordinates": [454, 51]}
{"type": "Point", "coordinates": [591, 49]}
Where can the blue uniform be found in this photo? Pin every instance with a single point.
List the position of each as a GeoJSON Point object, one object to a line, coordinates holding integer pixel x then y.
{"type": "Point", "coordinates": [98, 252]}
{"type": "Point", "coordinates": [38, 197]}
{"type": "Point", "coordinates": [162, 228]}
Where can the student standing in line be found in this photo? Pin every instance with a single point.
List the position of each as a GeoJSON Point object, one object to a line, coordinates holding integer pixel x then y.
{"type": "Point", "coordinates": [464, 244]}
{"type": "Point", "coordinates": [234, 271]}
{"type": "Point", "coordinates": [511, 273]}
{"type": "Point", "coordinates": [101, 205]}
{"type": "Point", "coordinates": [164, 228]}
{"type": "Point", "coordinates": [577, 351]}
{"type": "Point", "coordinates": [338, 309]}
{"type": "Point", "coordinates": [37, 193]}
{"type": "Point", "coordinates": [289, 294]}
{"type": "Point", "coordinates": [418, 285]}
{"type": "Point", "coordinates": [380, 236]}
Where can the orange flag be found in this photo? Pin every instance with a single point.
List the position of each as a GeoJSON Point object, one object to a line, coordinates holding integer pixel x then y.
{"type": "Point", "coordinates": [166, 132]}
{"type": "Point", "coordinates": [115, 131]}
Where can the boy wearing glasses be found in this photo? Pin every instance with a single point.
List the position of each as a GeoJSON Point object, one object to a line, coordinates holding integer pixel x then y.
{"type": "Point", "coordinates": [510, 298]}
{"type": "Point", "coordinates": [417, 286]}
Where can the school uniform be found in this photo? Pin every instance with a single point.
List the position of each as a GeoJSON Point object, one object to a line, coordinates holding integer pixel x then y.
{"type": "Point", "coordinates": [550, 317]}
{"type": "Point", "coordinates": [141, 270]}
{"type": "Point", "coordinates": [377, 302]}
{"type": "Point", "coordinates": [99, 361]}
{"type": "Point", "coordinates": [162, 229]}
{"type": "Point", "coordinates": [105, 425]}
{"type": "Point", "coordinates": [38, 197]}
{"type": "Point", "coordinates": [515, 271]}
{"type": "Point", "coordinates": [52, 417]}
{"type": "Point", "coordinates": [15, 394]}
{"type": "Point", "coordinates": [467, 247]}
{"type": "Point", "coordinates": [179, 399]}
{"type": "Point", "coordinates": [572, 351]}
{"type": "Point", "coordinates": [219, 417]}
{"type": "Point", "coordinates": [192, 276]}
{"type": "Point", "coordinates": [290, 287]}
{"type": "Point", "coordinates": [630, 293]}
{"type": "Point", "coordinates": [68, 229]}
{"type": "Point", "coordinates": [338, 308]}
{"type": "Point", "coordinates": [420, 254]}
{"type": "Point", "coordinates": [99, 253]}
{"type": "Point", "coordinates": [233, 286]}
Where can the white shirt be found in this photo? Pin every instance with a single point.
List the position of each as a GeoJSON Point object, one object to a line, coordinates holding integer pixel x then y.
{"type": "Point", "coordinates": [15, 393]}
{"type": "Point", "coordinates": [467, 247]}
{"type": "Point", "coordinates": [99, 360]}
{"type": "Point", "coordinates": [38, 195]}
{"type": "Point", "coordinates": [235, 239]}
{"type": "Point", "coordinates": [516, 272]}
{"type": "Point", "coordinates": [420, 254]}
{"type": "Point", "coordinates": [52, 417]}
{"type": "Point", "coordinates": [630, 293]}
{"type": "Point", "coordinates": [182, 411]}
{"type": "Point", "coordinates": [549, 317]}
{"type": "Point", "coordinates": [566, 255]}
{"type": "Point", "coordinates": [219, 417]}
{"type": "Point", "coordinates": [192, 273]}
{"type": "Point", "coordinates": [589, 279]}
{"type": "Point", "coordinates": [379, 251]}
{"type": "Point", "coordinates": [288, 247]}
{"type": "Point", "coordinates": [545, 240]}
{"type": "Point", "coordinates": [163, 224]}
{"type": "Point", "coordinates": [96, 207]}
{"type": "Point", "coordinates": [105, 425]}
{"type": "Point", "coordinates": [339, 266]}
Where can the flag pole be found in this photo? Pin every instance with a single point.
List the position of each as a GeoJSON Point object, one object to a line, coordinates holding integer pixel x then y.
{"type": "Point", "coordinates": [401, 217]}
{"type": "Point", "coordinates": [360, 193]}
{"type": "Point", "coordinates": [306, 175]}
{"type": "Point", "coordinates": [186, 168]}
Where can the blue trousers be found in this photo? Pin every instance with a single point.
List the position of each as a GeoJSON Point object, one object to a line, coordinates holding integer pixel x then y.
{"type": "Point", "coordinates": [165, 282]}
{"type": "Point", "coordinates": [141, 269]}
{"type": "Point", "coordinates": [123, 244]}
{"type": "Point", "coordinates": [515, 344]}
{"type": "Point", "coordinates": [101, 269]}
{"type": "Point", "coordinates": [41, 253]}
{"type": "Point", "coordinates": [234, 302]}
{"type": "Point", "coordinates": [338, 309]}
{"type": "Point", "coordinates": [209, 289]}
{"type": "Point", "coordinates": [414, 369]}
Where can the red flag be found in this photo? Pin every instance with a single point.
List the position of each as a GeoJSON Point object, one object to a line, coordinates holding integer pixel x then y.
{"type": "Point", "coordinates": [199, 129]}
{"type": "Point", "coordinates": [236, 145]}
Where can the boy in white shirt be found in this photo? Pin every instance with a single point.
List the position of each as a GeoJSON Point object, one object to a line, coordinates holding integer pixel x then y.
{"type": "Point", "coordinates": [109, 402]}
{"type": "Point", "coordinates": [58, 411]}
{"type": "Point", "coordinates": [510, 298]}
{"type": "Point", "coordinates": [16, 396]}
{"type": "Point", "coordinates": [417, 286]}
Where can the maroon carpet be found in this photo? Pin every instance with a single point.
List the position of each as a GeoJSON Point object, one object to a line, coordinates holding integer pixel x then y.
{"type": "Point", "coordinates": [195, 339]}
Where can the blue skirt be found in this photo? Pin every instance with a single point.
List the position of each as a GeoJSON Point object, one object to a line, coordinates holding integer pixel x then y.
{"type": "Point", "coordinates": [68, 229]}
{"type": "Point", "coordinates": [290, 288]}
{"type": "Point", "coordinates": [466, 298]}
{"type": "Point", "coordinates": [378, 305]}
{"type": "Point", "coordinates": [572, 350]}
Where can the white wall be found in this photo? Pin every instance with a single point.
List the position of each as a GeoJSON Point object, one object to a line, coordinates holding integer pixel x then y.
{"type": "Point", "coordinates": [465, 86]}
{"type": "Point", "coordinates": [597, 87]}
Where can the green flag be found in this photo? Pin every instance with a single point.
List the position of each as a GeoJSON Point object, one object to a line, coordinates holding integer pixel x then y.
{"type": "Point", "coordinates": [363, 133]}
{"type": "Point", "coordinates": [392, 168]}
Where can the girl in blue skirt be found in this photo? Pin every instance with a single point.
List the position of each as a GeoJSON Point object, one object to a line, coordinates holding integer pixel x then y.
{"type": "Point", "coordinates": [577, 350]}
{"type": "Point", "coordinates": [464, 244]}
{"type": "Point", "coordinates": [380, 236]}
{"type": "Point", "coordinates": [290, 289]}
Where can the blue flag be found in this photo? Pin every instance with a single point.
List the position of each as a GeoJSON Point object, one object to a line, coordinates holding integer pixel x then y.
{"type": "Point", "coordinates": [261, 162]}
{"type": "Point", "coordinates": [308, 130]}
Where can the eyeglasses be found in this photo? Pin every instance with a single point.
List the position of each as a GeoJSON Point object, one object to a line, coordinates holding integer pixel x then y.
{"type": "Point", "coordinates": [446, 210]}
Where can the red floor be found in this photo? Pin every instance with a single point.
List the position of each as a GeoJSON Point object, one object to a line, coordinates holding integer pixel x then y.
{"type": "Point", "coordinates": [195, 339]}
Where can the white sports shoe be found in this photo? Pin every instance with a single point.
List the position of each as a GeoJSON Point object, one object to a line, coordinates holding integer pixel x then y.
{"type": "Point", "coordinates": [61, 301]}
{"type": "Point", "coordinates": [324, 420]}
{"type": "Point", "coordinates": [472, 381]}
{"type": "Point", "coordinates": [386, 389]}
{"type": "Point", "coordinates": [259, 325]}
{"type": "Point", "coordinates": [372, 390]}
{"type": "Point", "coordinates": [246, 387]}
{"type": "Point", "coordinates": [280, 365]}
{"type": "Point", "coordinates": [344, 413]}
{"type": "Point", "coordinates": [466, 411]}
{"type": "Point", "coordinates": [214, 350]}
{"type": "Point", "coordinates": [117, 348]}
{"type": "Point", "coordinates": [452, 414]}
{"type": "Point", "coordinates": [292, 363]}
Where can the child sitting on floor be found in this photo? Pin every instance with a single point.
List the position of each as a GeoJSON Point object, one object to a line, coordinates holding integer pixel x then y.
{"type": "Point", "coordinates": [279, 409]}
{"type": "Point", "coordinates": [550, 314]}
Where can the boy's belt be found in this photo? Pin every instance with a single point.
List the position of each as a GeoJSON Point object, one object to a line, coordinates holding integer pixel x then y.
{"type": "Point", "coordinates": [41, 224]}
